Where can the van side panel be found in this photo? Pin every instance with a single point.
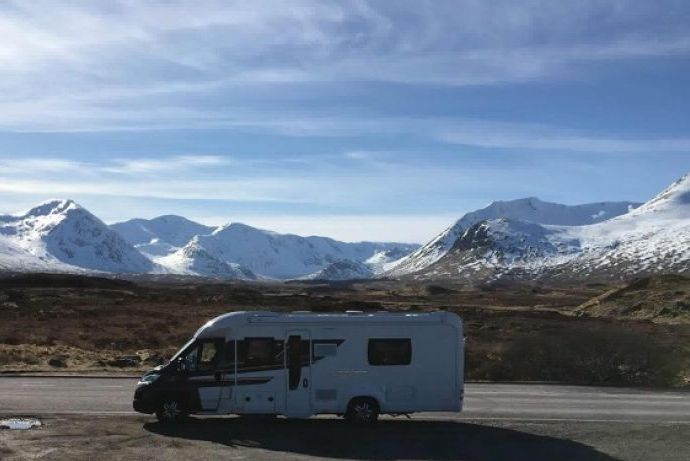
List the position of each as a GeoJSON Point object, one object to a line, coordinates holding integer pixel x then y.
{"type": "Point", "coordinates": [429, 383]}
{"type": "Point", "coordinates": [340, 367]}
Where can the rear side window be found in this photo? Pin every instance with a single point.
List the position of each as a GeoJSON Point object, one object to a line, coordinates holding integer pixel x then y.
{"type": "Point", "coordinates": [390, 351]}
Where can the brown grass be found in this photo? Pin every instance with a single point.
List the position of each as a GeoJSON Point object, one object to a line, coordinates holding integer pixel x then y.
{"type": "Point", "coordinates": [513, 332]}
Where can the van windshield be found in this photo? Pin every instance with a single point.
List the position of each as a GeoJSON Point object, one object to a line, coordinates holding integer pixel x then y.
{"type": "Point", "coordinates": [182, 349]}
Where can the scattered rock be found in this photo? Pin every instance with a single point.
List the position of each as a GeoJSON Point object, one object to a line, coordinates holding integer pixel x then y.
{"type": "Point", "coordinates": [59, 361]}
{"type": "Point", "coordinates": [125, 361]}
{"type": "Point", "coordinates": [154, 359]}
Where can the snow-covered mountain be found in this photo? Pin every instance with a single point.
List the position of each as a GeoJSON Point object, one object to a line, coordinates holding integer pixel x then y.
{"type": "Point", "coordinates": [524, 238]}
{"type": "Point", "coordinates": [526, 209]}
{"type": "Point", "coordinates": [651, 238]}
{"type": "Point", "coordinates": [343, 270]}
{"type": "Point", "coordinates": [381, 259]}
{"type": "Point", "coordinates": [60, 235]}
{"type": "Point", "coordinates": [273, 255]}
{"type": "Point", "coordinates": [160, 236]}
{"type": "Point", "coordinates": [192, 259]}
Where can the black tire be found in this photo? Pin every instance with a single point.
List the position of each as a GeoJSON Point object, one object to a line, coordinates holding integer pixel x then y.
{"type": "Point", "coordinates": [171, 411]}
{"type": "Point", "coordinates": [362, 411]}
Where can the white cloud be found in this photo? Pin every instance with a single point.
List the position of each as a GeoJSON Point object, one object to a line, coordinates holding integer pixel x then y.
{"type": "Point", "coordinates": [166, 164]}
{"type": "Point", "coordinates": [531, 137]}
{"type": "Point", "coordinates": [37, 165]}
{"type": "Point", "coordinates": [33, 166]}
{"type": "Point", "coordinates": [249, 190]}
{"type": "Point", "coordinates": [128, 64]}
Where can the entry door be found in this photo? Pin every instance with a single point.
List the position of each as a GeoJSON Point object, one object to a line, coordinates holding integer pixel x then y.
{"type": "Point", "coordinates": [298, 371]}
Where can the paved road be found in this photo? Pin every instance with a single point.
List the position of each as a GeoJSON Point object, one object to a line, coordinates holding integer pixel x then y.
{"type": "Point", "coordinates": [45, 395]}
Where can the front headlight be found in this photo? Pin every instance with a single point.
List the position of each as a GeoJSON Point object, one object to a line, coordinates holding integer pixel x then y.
{"type": "Point", "coordinates": [148, 378]}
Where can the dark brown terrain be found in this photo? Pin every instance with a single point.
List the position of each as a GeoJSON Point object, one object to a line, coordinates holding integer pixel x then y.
{"type": "Point", "coordinates": [585, 334]}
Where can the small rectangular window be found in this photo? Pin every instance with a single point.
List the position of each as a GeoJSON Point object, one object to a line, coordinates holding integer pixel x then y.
{"type": "Point", "coordinates": [259, 354]}
{"type": "Point", "coordinates": [325, 350]}
{"type": "Point", "coordinates": [390, 351]}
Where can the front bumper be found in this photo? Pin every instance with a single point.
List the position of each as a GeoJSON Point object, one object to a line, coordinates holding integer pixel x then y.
{"type": "Point", "coordinates": [143, 401]}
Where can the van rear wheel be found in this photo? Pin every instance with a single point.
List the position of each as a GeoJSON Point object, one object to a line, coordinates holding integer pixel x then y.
{"type": "Point", "coordinates": [170, 411]}
{"type": "Point", "coordinates": [362, 411]}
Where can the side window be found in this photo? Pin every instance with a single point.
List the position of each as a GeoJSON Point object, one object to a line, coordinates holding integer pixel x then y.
{"type": "Point", "coordinates": [190, 358]}
{"type": "Point", "coordinates": [325, 350]}
{"type": "Point", "coordinates": [259, 354]}
{"type": "Point", "coordinates": [390, 351]}
{"type": "Point", "coordinates": [227, 361]}
{"type": "Point", "coordinates": [202, 357]}
{"type": "Point", "coordinates": [208, 355]}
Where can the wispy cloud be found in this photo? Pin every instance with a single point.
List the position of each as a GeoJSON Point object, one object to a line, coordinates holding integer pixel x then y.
{"type": "Point", "coordinates": [133, 167]}
{"type": "Point", "coordinates": [125, 64]}
{"type": "Point", "coordinates": [326, 182]}
{"type": "Point", "coordinates": [165, 165]}
{"type": "Point", "coordinates": [255, 190]}
{"type": "Point", "coordinates": [533, 137]}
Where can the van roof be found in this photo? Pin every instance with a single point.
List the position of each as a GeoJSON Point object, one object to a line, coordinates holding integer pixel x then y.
{"type": "Point", "coordinates": [244, 317]}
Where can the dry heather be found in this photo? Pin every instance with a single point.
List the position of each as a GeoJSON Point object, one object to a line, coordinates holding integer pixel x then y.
{"type": "Point", "coordinates": [661, 299]}
{"type": "Point", "coordinates": [525, 332]}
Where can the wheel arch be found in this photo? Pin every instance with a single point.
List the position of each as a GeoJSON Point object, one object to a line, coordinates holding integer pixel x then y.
{"type": "Point", "coordinates": [366, 391]}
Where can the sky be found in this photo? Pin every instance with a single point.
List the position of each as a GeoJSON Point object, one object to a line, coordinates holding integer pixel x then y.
{"type": "Point", "coordinates": [358, 120]}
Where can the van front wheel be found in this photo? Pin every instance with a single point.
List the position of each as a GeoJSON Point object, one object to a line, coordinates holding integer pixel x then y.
{"type": "Point", "coordinates": [170, 411]}
{"type": "Point", "coordinates": [362, 411]}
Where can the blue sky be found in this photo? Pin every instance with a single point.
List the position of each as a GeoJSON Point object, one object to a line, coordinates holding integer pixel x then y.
{"type": "Point", "coordinates": [382, 120]}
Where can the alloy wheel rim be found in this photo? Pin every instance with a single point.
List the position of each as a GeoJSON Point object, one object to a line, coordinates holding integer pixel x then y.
{"type": "Point", "coordinates": [171, 410]}
{"type": "Point", "coordinates": [363, 411]}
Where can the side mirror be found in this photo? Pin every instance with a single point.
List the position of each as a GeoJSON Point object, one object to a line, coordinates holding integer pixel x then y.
{"type": "Point", "coordinates": [181, 366]}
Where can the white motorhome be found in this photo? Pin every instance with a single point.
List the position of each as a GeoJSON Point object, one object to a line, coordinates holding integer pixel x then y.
{"type": "Point", "coordinates": [299, 364]}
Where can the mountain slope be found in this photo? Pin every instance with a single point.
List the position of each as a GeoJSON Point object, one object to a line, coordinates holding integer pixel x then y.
{"type": "Point", "coordinates": [162, 235]}
{"type": "Point", "coordinates": [195, 260]}
{"type": "Point", "coordinates": [527, 209]}
{"type": "Point", "coordinates": [281, 256]}
{"type": "Point", "coordinates": [60, 235]}
{"type": "Point", "coordinates": [653, 238]}
{"type": "Point", "coordinates": [343, 270]}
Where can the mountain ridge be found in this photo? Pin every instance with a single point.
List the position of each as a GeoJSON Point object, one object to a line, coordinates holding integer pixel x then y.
{"type": "Point", "coordinates": [527, 209]}
{"type": "Point", "coordinates": [520, 239]}
{"type": "Point", "coordinates": [652, 238]}
{"type": "Point", "coordinates": [62, 235]}
{"type": "Point", "coordinates": [281, 256]}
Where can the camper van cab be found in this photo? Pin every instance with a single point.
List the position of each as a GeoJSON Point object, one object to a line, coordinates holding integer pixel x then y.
{"type": "Point", "coordinates": [300, 364]}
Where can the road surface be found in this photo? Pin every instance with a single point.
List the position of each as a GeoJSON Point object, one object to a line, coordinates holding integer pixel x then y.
{"type": "Point", "coordinates": [91, 419]}
{"type": "Point", "coordinates": [107, 396]}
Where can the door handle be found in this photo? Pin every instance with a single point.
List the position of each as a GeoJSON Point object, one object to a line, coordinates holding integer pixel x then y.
{"type": "Point", "coordinates": [305, 383]}
{"type": "Point", "coordinates": [218, 376]}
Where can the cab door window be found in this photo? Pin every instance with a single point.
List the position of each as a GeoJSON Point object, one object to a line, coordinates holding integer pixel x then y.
{"type": "Point", "coordinates": [202, 357]}
{"type": "Point", "coordinates": [208, 356]}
